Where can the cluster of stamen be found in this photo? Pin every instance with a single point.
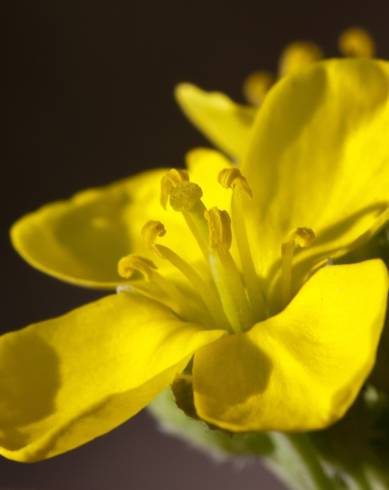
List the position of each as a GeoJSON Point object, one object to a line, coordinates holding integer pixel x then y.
{"type": "Point", "coordinates": [227, 295]}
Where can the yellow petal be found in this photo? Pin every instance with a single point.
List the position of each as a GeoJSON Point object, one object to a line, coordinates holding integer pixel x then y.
{"type": "Point", "coordinates": [302, 369]}
{"type": "Point", "coordinates": [225, 123]}
{"type": "Point", "coordinates": [80, 240]}
{"type": "Point", "coordinates": [204, 166]}
{"type": "Point", "coordinates": [319, 158]}
{"type": "Point", "coordinates": [68, 380]}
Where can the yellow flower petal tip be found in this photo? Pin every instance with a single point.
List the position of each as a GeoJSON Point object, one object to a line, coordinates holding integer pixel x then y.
{"type": "Point", "coordinates": [356, 42]}
{"type": "Point", "coordinates": [221, 120]}
{"type": "Point", "coordinates": [298, 55]}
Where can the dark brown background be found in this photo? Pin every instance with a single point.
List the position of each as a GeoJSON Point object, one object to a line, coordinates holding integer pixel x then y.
{"type": "Point", "coordinates": [90, 100]}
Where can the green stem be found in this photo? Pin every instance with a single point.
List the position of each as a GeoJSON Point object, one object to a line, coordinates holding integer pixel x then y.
{"type": "Point", "coordinates": [368, 479]}
{"type": "Point", "coordinates": [307, 453]}
{"type": "Point", "coordinates": [296, 462]}
{"type": "Point", "coordinates": [363, 481]}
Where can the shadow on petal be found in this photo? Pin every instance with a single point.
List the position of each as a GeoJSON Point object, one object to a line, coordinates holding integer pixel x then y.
{"type": "Point", "coordinates": [228, 373]}
{"type": "Point", "coordinates": [29, 381]}
{"type": "Point", "coordinates": [96, 236]}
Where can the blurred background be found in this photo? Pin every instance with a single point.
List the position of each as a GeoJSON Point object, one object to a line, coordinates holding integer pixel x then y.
{"type": "Point", "coordinates": [90, 101]}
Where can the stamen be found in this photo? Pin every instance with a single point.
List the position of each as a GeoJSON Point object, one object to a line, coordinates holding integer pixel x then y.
{"type": "Point", "coordinates": [154, 229]}
{"type": "Point", "coordinates": [299, 238]}
{"type": "Point", "coordinates": [127, 266]}
{"type": "Point", "coordinates": [257, 85]}
{"type": "Point", "coordinates": [156, 284]}
{"type": "Point", "coordinates": [303, 237]}
{"type": "Point", "coordinates": [356, 42]}
{"type": "Point", "coordinates": [169, 181]}
{"type": "Point", "coordinates": [297, 56]}
{"type": "Point", "coordinates": [151, 231]}
{"type": "Point", "coordinates": [225, 273]}
{"type": "Point", "coordinates": [231, 178]}
{"type": "Point", "coordinates": [185, 197]}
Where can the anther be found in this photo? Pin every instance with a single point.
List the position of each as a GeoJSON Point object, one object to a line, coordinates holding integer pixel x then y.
{"type": "Point", "coordinates": [169, 181]}
{"type": "Point", "coordinates": [219, 226]}
{"type": "Point", "coordinates": [356, 42]}
{"type": "Point", "coordinates": [185, 196]}
{"type": "Point", "coordinates": [151, 231]}
{"type": "Point", "coordinates": [297, 56]}
{"type": "Point", "coordinates": [299, 238]}
{"type": "Point", "coordinates": [257, 85]}
{"type": "Point", "coordinates": [127, 266]}
{"type": "Point", "coordinates": [303, 237]}
{"type": "Point", "coordinates": [229, 178]}
{"type": "Point", "coordinates": [156, 286]}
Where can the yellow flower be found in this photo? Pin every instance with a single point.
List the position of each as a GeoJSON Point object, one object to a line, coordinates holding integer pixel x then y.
{"type": "Point", "coordinates": [227, 124]}
{"type": "Point", "coordinates": [244, 301]}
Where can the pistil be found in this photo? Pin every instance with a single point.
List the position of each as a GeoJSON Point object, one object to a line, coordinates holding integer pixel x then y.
{"type": "Point", "coordinates": [225, 273]}
{"type": "Point", "coordinates": [231, 178]}
{"type": "Point", "coordinates": [185, 197]}
{"type": "Point", "coordinates": [212, 230]}
{"type": "Point", "coordinates": [169, 181]}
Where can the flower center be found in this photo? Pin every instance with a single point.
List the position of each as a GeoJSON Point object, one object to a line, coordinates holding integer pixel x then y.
{"type": "Point", "coordinates": [226, 292]}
